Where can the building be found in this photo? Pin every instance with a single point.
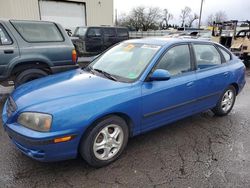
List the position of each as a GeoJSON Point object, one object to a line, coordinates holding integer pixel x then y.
{"type": "Point", "coordinates": [69, 13]}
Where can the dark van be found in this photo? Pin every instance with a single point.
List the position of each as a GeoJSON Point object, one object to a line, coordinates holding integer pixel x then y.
{"type": "Point", "coordinates": [90, 41]}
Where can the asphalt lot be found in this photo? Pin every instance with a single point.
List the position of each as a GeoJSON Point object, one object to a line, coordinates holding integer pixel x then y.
{"type": "Point", "coordinates": [199, 151]}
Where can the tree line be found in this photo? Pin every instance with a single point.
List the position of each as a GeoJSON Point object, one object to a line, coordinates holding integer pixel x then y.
{"type": "Point", "coordinates": [153, 18]}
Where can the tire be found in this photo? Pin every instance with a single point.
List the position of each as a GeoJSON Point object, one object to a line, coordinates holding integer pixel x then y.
{"type": "Point", "coordinates": [29, 75]}
{"type": "Point", "coordinates": [247, 63]}
{"type": "Point", "coordinates": [103, 135]}
{"type": "Point", "coordinates": [226, 102]}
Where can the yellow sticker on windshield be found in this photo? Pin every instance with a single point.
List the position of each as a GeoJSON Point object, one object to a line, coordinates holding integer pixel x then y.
{"type": "Point", "coordinates": [128, 47]}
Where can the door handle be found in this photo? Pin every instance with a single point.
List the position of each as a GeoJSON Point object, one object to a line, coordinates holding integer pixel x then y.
{"type": "Point", "coordinates": [190, 84]}
{"type": "Point", "coordinates": [8, 51]}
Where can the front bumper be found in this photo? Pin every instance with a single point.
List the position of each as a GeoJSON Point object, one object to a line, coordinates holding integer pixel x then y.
{"type": "Point", "coordinates": [41, 146]}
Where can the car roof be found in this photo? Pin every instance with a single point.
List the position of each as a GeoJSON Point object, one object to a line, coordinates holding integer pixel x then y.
{"type": "Point", "coordinates": [27, 21]}
{"type": "Point", "coordinates": [116, 27]}
{"type": "Point", "coordinates": [166, 41]}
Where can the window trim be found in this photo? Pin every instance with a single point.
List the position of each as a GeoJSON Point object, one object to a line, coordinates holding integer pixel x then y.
{"type": "Point", "coordinates": [222, 48]}
{"type": "Point", "coordinates": [63, 38]}
{"type": "Point", "coordinates": [210, 44]}
{"type": "Point", "coordinates": [5, 32]}
{"type": "Point", "coordinates": [192, 63]}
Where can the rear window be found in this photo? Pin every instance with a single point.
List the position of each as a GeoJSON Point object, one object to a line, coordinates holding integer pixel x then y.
{"type": "Point", "coordinates": [38, 31]}
{"type": "Point", "coordinates": [122, 32]}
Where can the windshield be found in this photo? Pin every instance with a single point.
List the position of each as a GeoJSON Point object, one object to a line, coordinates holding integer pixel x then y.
{"type": "Point", "coordinates": [126, 61]}
{"type": "Point", "coordinates": [80, 31]}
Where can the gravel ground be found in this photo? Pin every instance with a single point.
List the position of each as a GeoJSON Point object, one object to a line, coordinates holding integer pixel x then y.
{"type": "Point", "coordinates": [199, 151]}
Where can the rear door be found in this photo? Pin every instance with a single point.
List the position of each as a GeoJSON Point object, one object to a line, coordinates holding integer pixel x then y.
{"type": "Point", "coordinates": [8, 50]}
{"type": "Point", "coordinates": [94, 40]}
{"type": "Point", "coordinates": [212, 75]}
{"type": "Point", "coordinates": [110, 37]}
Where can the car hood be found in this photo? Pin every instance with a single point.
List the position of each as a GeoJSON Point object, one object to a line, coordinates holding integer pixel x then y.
{"type": "Point", "coordinates": [64, 85]}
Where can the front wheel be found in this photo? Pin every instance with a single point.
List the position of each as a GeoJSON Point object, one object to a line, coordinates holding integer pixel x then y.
{"type": "Point", "coordinates": [105, 142]}
{"type": "Point", "coordinates": [226, 102]}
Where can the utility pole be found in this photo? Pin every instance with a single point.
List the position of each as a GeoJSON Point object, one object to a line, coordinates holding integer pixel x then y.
{"type": "Point", "coordinates": [200, 14]}
{"type": "Point", "coordinates": [116, 17]}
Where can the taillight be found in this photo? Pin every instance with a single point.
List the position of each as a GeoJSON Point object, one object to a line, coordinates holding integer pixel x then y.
{"type": "Point", "coordinates": [74, 56]}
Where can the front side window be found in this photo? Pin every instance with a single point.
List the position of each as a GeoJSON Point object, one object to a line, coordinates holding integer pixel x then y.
{"type": "Point", "coordinates": [94, 32]}
{"type": "Point", "coordinates": [4, 37]}
{"type": "Point", "coordinates": [206, 56]}
{"type": "Point", "coordinates": [176, 60]}
{"type": "Point", "coordinates": [126, 61]}
{"type": "Point", "coordinates": [80, 31]}
{"type": "Point", "coordinates": [38, 31]}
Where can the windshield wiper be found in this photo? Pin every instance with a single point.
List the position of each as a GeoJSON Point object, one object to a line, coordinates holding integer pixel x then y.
{"type": "Point", "coordinates": [107, 75]}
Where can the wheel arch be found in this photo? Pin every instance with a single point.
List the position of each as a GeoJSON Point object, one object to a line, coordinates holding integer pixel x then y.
{"type": "Point", "coordinates": [124, 116]}
{"type": "Point", "coordinates": [236, 87]}
{"type": "Point", "coordinates": [21, 66]}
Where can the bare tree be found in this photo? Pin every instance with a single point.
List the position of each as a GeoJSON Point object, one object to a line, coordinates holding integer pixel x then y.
{"type": "Point", "coordinates": [142, 18]}
{"type": "Point", "coordinates": [210, 20]}
{"type": "Point", "coordinates": [185, 13]}
{"type": "Point", "coordinates": [218, 17]}
{"type": "Point", "coordinates": [167, 16]}
{"type": "Point", "coordinates": [192, 18]}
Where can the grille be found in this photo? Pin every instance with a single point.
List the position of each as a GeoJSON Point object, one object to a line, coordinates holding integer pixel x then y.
{"type": "Point", "coordinates": [11, 106]}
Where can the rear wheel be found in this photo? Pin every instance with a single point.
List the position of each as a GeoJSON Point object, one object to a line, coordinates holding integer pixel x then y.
{"type": "Point", "coordinates": [105, 142]}
{"type": "Point", "coordinates": [29, 75]}
{"type": "Point", "coordinates": [226, 102]}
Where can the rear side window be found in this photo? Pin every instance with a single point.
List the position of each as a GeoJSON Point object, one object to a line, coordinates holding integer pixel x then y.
{"type": "Point", "coordinates": [122, 32]}
{"type": "Point", "coordinates": [38, 31]}
{"type": "Point", "coordinates": [4, 37]}
{"type": "Point", "coordinates": [206, 56]}
{"type": "Point", "coordinates": [109, 32]}
{"type": "Point", "coordinates": [176, 60]}
{"type": "Point", "coordinates": [226, 55]}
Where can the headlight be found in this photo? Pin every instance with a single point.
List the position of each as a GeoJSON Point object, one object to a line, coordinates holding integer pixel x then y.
{"type": "Point", "coordinates": [36, 121]}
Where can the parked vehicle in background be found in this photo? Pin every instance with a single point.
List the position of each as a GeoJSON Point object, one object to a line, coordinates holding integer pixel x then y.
{"type": "Point", "coordinates": [134, 87]}
{"type": "Point", "coordinates": [33, 49]}
{"type": "Point", "coordinates": [232, 35]}
{"type": "Point", "coordinates": [192, 34]}
{"type": "Point", "coordinates": [90, 41]}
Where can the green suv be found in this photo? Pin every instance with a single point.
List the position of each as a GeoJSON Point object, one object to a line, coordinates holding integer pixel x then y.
{"type": "Point", "coordinates": [33, 49]}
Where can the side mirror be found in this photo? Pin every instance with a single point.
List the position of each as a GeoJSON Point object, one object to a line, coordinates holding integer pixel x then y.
{"type": "Point", "coordinates": [160, 75]}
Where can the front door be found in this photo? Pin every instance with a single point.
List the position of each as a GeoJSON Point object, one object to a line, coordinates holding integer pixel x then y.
{"type": "Point", "coordinates": [167, 101]}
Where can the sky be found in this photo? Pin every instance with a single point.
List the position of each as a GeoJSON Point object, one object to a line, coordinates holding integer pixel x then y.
{"type": "Point", "coordinates": [235, 9]}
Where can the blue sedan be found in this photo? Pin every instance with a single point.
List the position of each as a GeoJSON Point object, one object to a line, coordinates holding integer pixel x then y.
{"type": "Point", "coordinates": [136, 86]}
